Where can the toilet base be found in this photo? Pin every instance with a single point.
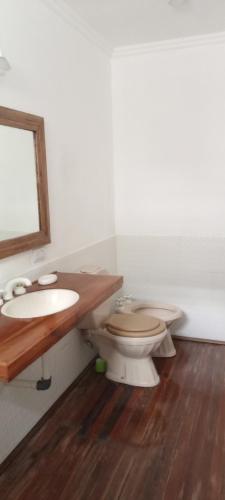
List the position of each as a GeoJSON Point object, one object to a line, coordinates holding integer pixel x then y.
{"type": "Point", "coordinates": [166, 348]}
{"type": "Point", "coordinates": [135, 372]}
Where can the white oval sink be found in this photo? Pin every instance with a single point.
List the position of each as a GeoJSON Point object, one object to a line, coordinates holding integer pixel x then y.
{"type": "Point", "coordinates": [41, 303]}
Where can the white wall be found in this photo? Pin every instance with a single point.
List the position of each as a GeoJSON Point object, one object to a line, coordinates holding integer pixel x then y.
{"type": "Point", "coordinates": [60, 75]}
{"type": "Point", "coordinates": [169, 150]}
{"type": "Point", "coordinates": [57, 73]}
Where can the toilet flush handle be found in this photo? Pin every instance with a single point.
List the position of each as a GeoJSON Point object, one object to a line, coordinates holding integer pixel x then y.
{"type": "Point", "coordinates": [123, 301]}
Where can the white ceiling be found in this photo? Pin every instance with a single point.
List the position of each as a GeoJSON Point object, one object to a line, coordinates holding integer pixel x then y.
{"type": "Point", "coordinates": [125, 22]}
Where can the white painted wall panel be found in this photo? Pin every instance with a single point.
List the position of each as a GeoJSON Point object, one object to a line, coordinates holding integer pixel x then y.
{"type": "Point", "coordinates": [169, 155]}
{"type": "Point", "coordinates": [60, 75]}
{"type": "Point", "coordinates": [169, 121]}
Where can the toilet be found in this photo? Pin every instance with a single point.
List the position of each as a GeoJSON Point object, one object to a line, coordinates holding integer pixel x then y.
{"type": "Point", "coordinates": [165, 312]}
{"type": "Point", "coordinates": [127, 343]}
{"type": "Point", "coordinates": [124, 340]}
{"type": "Point", "coordinates": [129, 339]}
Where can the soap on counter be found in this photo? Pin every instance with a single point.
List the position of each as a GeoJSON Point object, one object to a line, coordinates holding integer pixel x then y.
{"type": "Point", "coordinates": [47, 279]}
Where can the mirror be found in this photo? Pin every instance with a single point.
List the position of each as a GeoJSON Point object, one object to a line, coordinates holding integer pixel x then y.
{"type": "Point", "coordinates": [18, 187]}
{"type": "Point", "coordinates": [24, 214]}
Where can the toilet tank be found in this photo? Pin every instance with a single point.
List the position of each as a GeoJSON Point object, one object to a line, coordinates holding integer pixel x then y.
{"type": "Point", "coordinates": [96, 318]}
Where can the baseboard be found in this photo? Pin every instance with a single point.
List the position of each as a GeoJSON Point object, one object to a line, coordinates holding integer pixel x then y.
{"type": "Point", "coordinates": [196, 339]}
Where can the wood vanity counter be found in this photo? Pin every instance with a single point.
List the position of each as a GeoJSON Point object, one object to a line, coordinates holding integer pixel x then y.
{"type": "Point", "coordinates": [22, 341]}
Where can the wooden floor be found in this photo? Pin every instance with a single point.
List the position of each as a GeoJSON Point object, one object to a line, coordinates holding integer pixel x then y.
{"type": "Point", "coordinates": [106, 441]}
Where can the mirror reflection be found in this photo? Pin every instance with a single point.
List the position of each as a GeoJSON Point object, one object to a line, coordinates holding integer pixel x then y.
{"type": "Point", "coordinates": [19, 210]}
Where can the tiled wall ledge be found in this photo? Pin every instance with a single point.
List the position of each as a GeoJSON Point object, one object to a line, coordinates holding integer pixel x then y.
{"type": "Point", "coordinates": [189, 272]}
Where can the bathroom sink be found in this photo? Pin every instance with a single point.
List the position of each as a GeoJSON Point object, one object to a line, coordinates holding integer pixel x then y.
{"type": "Point", "coordinates": [41, 303]}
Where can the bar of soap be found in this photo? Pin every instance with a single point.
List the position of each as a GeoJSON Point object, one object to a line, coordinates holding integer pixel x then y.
{"type": "Point", "coordinates": [47, 279]}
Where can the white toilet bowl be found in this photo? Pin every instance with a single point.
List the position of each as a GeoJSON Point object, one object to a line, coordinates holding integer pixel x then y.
{"type": "Point", "coordinates": [126, 344]}
{"type": "Point", "coordinates": [128, 340]}
{"type": "Point", "coordinates": [165, 312]}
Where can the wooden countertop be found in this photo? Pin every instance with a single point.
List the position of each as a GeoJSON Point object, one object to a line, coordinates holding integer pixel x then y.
{"type": "Point", "coordinates": [22, 341]}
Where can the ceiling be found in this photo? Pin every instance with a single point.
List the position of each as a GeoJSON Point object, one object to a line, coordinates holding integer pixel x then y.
{"type": "Point", "coordinates": [130, 22]}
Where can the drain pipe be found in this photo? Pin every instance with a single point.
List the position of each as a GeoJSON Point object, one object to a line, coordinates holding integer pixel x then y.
{"type": "Point", "coordinates": [86, 336]}
{"type": "Point", "coordinates": [43, 384]}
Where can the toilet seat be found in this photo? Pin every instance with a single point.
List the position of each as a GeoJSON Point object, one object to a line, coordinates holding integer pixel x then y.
{"type": "Point", "coordinates": [165, 312]}
{"type": "Point", "coordinates": [134, 325]}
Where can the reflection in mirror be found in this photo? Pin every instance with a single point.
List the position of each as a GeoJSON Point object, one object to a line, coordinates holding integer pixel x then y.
{"type": "Point", "coordinates": [19, 214]}
{"type": "Point", "coordinates": [24, 212]}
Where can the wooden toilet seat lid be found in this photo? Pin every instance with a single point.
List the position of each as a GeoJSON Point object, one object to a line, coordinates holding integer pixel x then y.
{"type": "Point", "coordinates": [134, 325]}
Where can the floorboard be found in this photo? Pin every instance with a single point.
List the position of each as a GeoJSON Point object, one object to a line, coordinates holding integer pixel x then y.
{"type": "Point", "coordinates": [107, 441]}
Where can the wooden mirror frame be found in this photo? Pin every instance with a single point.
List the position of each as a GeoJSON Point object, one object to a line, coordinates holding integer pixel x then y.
{"type": "Point", "coordinates": [35, 124]}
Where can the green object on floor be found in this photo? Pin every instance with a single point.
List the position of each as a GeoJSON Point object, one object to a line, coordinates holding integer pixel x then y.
{"type": "Point", "coordinates": [100, 365]}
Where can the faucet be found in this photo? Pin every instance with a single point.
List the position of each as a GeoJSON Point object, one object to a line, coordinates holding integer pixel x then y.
{"type": "Point", "coordinates": [11, 285]}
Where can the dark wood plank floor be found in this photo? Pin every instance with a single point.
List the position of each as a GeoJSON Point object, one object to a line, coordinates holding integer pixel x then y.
{"type": "Point", "coordinates": [107, 441]}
